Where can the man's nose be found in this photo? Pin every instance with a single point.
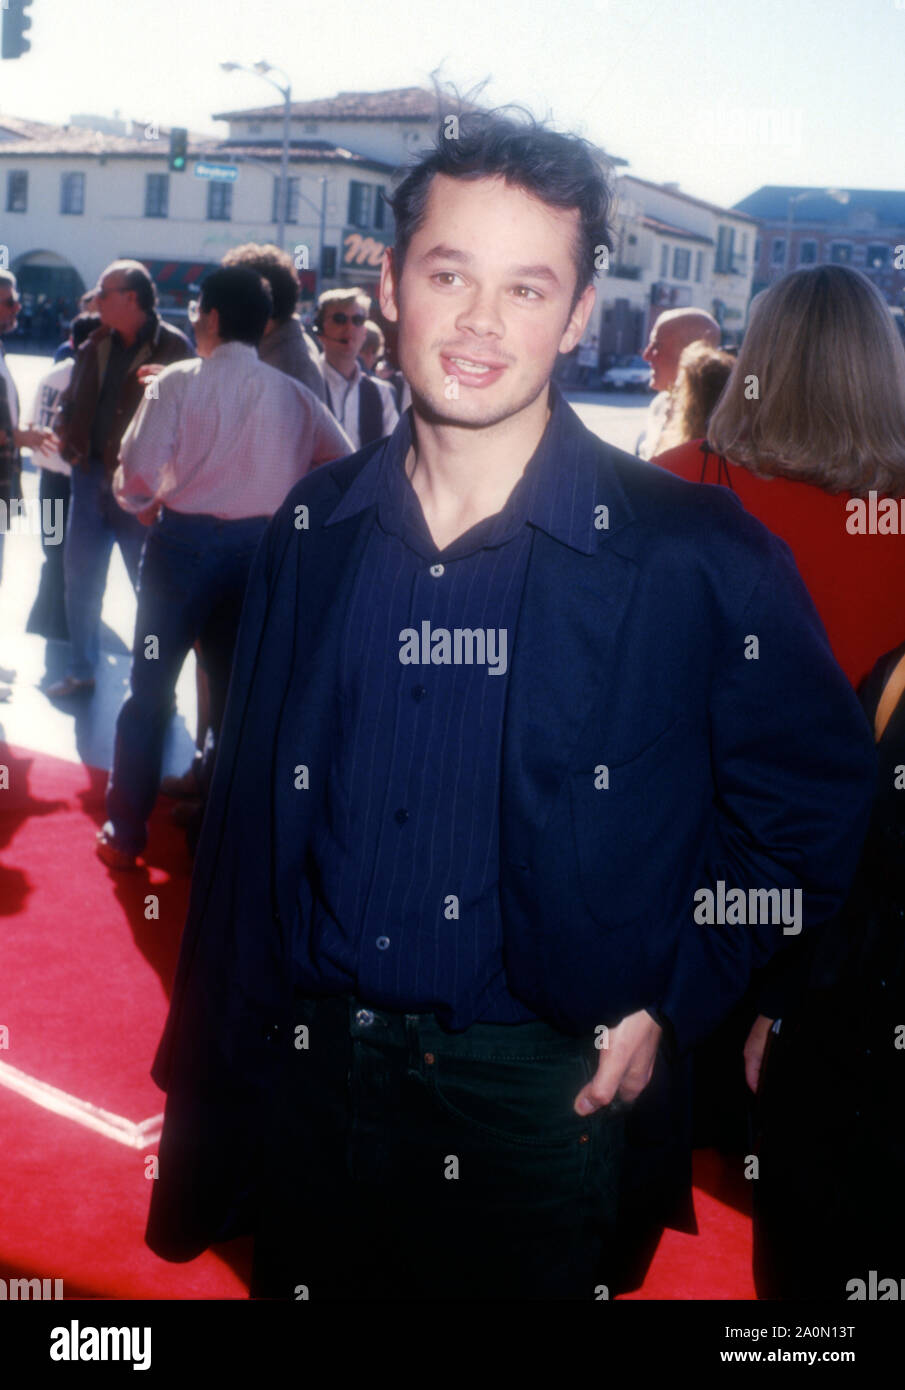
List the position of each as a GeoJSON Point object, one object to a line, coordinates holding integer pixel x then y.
{"type": "Point", "coordinates": [481, 314]}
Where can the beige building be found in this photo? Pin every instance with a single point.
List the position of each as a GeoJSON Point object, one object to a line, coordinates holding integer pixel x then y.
{"type": "Point", "coordinates": [671, 251]}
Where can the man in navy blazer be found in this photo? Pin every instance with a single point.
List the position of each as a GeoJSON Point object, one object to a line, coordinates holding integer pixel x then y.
{"type": "Point", "coordinates": [532, 753]}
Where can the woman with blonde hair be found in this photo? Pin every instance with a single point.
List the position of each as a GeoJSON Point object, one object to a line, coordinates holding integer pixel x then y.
{"type": "Point", "coordinates": [811, 421]}
{"type": "Point", "coordinates": [702, 374]}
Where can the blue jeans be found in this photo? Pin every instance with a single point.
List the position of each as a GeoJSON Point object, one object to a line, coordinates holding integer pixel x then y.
{"type": "Point", "coordinates": [96, 520]}
{"type": "Point", "coordinates": [194, 571]}
{"type": "Point", "coordinates": [410, 1163]}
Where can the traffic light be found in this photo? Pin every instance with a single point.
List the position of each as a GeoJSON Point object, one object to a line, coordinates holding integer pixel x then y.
{"type": "Point", "coordinates": [179, 149]}
{"type": "Point", "coordinates": [15, 23]}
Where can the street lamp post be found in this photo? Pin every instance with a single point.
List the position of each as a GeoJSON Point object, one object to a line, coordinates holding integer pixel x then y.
{"type": "Point", "coordinates": [262, 69]}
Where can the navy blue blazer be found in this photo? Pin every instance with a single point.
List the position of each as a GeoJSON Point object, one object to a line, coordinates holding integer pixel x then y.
{"type": "Point", "coordinates": [756, 770]}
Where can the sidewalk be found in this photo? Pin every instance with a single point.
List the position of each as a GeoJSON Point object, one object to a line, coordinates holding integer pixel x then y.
{"type": "Point", "coordinates": [80, 729]}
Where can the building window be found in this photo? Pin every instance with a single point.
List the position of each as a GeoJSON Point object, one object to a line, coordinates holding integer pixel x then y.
{"type": "Point", "coordinates": [17, 191]}
{"type": "Point", "coordinates": [664, 261]}
{"type": "Point", "coordinates": [757, 248]}
{"type": "Point", "coordinates": [681, 263]}
{"type": "Point", "coordinates": [72, 193]}
{"type": "Point", "coordinates": [361, 204]}
{"type": "Point", "coordinates": [157, 195]}
{"type": "Point", "coordinates": [699, 266]}
{"type": "Point", "coordinates": [254, 129]}
{"type": "Point", "coordinates": [807, 253]}
{"type": "Point", "coordinates": [310, 127]}
{"type": "Point", "coordinates": [877, 257]}
{"type": "Point", "coordinates": [778, 253]}
{"type": "Point", "coordinates": [841, 253]}
{"type": "Point", "coordinates": [380, 208]}
{"type": "Point", "coordinates": [219, 201]}
{"type": "Point", "coordinates": [292, 212]}
{"type": "Point", "coordinates": [725, 237]}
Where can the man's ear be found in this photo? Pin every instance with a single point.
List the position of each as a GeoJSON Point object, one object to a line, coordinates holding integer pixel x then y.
{"type": "Point", "coordinates": [578, 319]}
{"type": "Point", "coordinates": [387, 294]}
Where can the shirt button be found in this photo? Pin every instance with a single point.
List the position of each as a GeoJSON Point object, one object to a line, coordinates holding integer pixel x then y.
{"type": "Point", "coordinates": [401, 816]}
{"type": "Point", "coordinates": [437, 570]}
{"type": "Point", "coordinates": [419, 692]}
{"type": "Point", "coordinates": [382, 943]}
{"type": "Point", "coordinates": [364, 1017]}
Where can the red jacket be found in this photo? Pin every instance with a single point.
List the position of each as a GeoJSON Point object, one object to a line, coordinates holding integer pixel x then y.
{"type": "Point", "coordinates": [857, 582]}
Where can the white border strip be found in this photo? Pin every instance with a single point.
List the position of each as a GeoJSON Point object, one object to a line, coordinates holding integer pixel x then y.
{"type": "Point", "coordinates": [134, 1136]}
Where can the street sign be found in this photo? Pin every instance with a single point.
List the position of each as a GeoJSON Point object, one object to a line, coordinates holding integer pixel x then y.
{"type": "Point", "coordinates": [225, 173]}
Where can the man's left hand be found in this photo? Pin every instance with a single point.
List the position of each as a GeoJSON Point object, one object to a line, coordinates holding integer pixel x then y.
{"type": "Point", "coordinates": [626, 1063]}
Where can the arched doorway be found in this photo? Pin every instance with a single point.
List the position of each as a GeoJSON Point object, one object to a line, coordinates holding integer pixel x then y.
{"type": "Point", "coordinates": [50, 288]}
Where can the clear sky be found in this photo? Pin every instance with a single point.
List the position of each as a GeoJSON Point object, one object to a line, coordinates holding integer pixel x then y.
{"type": "Point", "coordinates": [720, 96]}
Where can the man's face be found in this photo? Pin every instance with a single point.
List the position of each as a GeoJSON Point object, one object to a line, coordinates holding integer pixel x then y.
{"type": "Point", "coordinates": [343, 336]}
{"type": "Point", "coordinates": [663, 353]}
{"type": "Point", "coordinates": [115, 304]}
{"type": "Point", "coordinates": [10, 304]}
{"type": "Point", "coordinates": [483, 299]}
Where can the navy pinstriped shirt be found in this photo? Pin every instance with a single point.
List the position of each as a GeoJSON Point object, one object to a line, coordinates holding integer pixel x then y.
{"type": "Point", "coordinates": [405, 860]}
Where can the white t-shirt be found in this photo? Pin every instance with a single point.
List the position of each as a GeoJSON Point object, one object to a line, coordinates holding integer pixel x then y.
{"type": "Point", "coordinates": [44, 407]}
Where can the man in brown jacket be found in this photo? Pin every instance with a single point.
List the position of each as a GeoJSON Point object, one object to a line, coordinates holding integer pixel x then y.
{"type": "Point", "coordinates": [95, 412]}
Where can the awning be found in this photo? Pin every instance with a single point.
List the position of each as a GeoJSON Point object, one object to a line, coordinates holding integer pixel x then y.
{"type": "Point", "coordinates": [177, 277]}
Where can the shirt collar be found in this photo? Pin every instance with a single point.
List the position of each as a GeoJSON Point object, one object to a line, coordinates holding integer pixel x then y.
{"type": "Point", "coordinates": [233, 349]}
{"type": "Point", "coordinates": [144, 334]}
{"type": "Point", "coordinates": [337, 379]}
{"type": "Point", "coordinates": [560, 481]}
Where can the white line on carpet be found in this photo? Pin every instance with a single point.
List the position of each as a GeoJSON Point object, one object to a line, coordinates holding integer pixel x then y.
{"type": "Point", "coordinates": [134, 1136]}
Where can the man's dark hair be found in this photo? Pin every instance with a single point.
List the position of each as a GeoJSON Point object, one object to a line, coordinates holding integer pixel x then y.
{"type": "Point", "coordinates": [563, 171]}
{"type": "Point", "coordinates": [243, 300]}
{"type": "Point", "coordinates": [278, 269]}
{"type": "Point", "coordinates": [81, 326]}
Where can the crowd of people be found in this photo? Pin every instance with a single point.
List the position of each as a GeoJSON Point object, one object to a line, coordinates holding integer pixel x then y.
{"type": "Point", "coordinates": [97, 409]}
{"type": "Point", "coordinates": [702, 650]}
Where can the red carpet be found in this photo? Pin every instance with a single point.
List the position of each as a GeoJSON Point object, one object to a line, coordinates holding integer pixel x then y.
{"type": "Point", "coordinates": [86, 961]}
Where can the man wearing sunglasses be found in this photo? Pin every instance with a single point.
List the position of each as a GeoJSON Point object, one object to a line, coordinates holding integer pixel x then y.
{"type": "Point", "coordinates": [363, 406]}
{"type": "Point", "coordinates": [95, 411]}
{"type": "Point", "coordinates": [12, 436]}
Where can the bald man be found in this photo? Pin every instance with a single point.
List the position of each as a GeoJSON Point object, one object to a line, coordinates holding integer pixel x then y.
{"type": "Point", "coordinates": [670, 335]}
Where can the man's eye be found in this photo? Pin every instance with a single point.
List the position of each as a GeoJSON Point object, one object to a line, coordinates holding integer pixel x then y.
{"type": "Point", "coordinates": [445, 276]}
{"type": "Point", "coordinates": [524, 291]}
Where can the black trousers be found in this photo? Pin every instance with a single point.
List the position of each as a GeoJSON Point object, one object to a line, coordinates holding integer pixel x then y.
{"type": "Point", "coordinates": [48, 612]}
{"type": "Point", "coordinates": [412, 1163]}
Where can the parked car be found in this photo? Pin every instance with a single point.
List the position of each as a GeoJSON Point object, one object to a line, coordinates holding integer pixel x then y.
{"type": "Point", "coordinates": [627, 374]}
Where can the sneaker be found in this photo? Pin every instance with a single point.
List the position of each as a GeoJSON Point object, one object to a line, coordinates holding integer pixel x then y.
{"type": "Point", "coordinates": [111, 854]}
{"type": "Point", "coordinates": [70, 686]}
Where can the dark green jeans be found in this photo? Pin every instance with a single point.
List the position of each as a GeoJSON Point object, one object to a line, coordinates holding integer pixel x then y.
{"type": "Point", "coordinates": [412, 1163]}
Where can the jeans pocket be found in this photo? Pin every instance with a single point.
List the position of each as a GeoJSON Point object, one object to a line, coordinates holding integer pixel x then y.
{"type": "Point", "coordinates": [526, 1101]}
